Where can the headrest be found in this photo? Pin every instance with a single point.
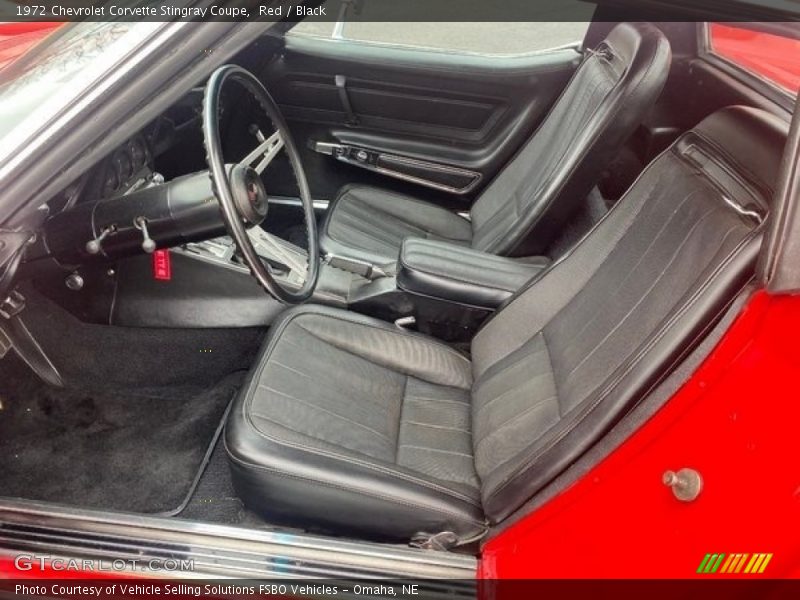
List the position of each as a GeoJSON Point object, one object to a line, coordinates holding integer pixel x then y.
{"type": "Point", "coordinates": [639, 44]}
{"type": "Point", "coordinates": [749, 141]}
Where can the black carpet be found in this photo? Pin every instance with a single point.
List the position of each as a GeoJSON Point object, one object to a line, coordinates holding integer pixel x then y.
{"type": "Point", "coordinates": [214, 500]}
{"type": "Point", "coordinates": [138, 450]}
{"type": "Point", "coordinates": [106, 357]}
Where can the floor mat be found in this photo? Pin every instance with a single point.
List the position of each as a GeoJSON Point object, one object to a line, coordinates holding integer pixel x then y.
{"type": "Point", "coordinates": [131, 449]}
{"type": "Point", "coordinates": [215, 500]}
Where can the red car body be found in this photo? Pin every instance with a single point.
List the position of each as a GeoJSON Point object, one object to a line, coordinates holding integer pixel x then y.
{"type": "Point", "coordinates": [770, 56]}
{"type": "Point", "coordinates": [733, 422]}
{"type": "Point", "coordinates": [18, 38]}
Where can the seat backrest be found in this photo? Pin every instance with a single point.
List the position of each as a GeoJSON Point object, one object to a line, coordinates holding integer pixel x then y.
{"type": "Point", "coordinates": [566, 357]}
{"type": "Point", "coordinates": [606, 99]}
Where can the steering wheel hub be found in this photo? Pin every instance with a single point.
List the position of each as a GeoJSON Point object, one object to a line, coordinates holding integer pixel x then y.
{"type": "Point", "coordinates": [249, 194]}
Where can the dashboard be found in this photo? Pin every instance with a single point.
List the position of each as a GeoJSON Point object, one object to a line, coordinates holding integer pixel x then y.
{"type": "Point", "coordinates": [132, 165]}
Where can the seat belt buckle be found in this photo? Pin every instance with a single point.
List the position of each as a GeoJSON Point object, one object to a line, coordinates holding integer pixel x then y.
{"type": "Point", "coordinates": [357, 267]}
{"type": "Point", "coordinates": [443, 541]}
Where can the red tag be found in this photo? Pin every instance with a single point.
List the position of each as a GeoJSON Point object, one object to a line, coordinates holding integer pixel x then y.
{"type": "Point", "coordinates": [162, 265]}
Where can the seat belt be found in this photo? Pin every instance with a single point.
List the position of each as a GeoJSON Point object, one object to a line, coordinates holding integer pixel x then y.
{"type": "Point", "coordinates": [443, 541]}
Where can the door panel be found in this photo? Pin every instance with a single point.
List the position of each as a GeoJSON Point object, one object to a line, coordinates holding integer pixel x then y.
{"type": "Point", "coordinates": [448, 117]}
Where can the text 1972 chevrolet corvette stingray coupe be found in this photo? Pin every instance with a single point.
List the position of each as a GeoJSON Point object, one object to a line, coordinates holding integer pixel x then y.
{"type": "Point", "coordinates": [544, 318]}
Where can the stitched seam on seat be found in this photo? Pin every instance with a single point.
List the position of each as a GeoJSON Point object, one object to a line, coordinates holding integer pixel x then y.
{"type": "Point", "coordinates": [293, 370]}
{"type": "Point", "coordinates": [439, 450]}
{"type": "Point", "coordinates": [510, 390]}
{"type": "Point", "coordinates": [364, 492]}
{"type": "Point", "coordinates": [738, 165]}
{"type": "Point", "coordinates": [472, 480]}
{"type": "Point", "coordinates": [372, 401]}
{"type": "Point", "coordinates": [631, 365]}
{"type": "Point", "coordinates": [264, 417]}
{"type": "Point", "coordinates": [647, 292]}
{"type": "Point", "coordinates": [494, 221]}
{"type": "Point", "coordinates": [324, 410]}
{"type": "Point", "coordinates": [540, 403]}
{"type": "Point", "coordinates": [400, 424]}
{"type": "Point", "coordinates": [431, 426]}
{"type": "Point", "coordinates": [396, 331]}
{"type": "Point", "coordinates": [355, 223]}
{"type": "Point", "coordinates": [249, 394]}
{"type": "Point", "coordinates": [355, 199]}
{"type": "Point", "coordinates": [364, 218]}
{"type": "Point", "coordinates": [487, 376]}
{"type": "Point", "coordinates": [352, 352]}
{"type": "Point", "coordinates": [645, 76]}
{"type": "Point", "coordinates": [366, 206]}
{"type": "Point", "coordinates": [440, 400]}
{"type": "Point", "coordinates": [631, 271]}
{"type": "Point", "coordinates": [555, 381]}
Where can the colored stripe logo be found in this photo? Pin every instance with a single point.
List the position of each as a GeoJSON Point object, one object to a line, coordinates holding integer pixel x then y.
{"type": "Point", "coordinates": [748, 564]}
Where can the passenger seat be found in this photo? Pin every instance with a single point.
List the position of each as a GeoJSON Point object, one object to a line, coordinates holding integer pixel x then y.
{"type": "Point", "coordinates": [527, 205]}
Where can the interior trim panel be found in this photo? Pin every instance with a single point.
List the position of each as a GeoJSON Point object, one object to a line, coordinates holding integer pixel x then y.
{"type": "Point", "coordinates": [461, 117]}
{"type": "Point", "coordinates": [422, 172]}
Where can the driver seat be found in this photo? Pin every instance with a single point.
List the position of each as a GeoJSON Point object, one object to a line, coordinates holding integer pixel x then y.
{"type": "Point", "coordinates": [353, 426]}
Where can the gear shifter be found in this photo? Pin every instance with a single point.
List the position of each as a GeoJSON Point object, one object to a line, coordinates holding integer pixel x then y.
{"type": "Point", "coordinates": [148, 245]}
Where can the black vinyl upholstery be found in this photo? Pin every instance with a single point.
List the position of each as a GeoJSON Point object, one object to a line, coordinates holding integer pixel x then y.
{"type": "Point", "coordinates": [521, 211]}
{"type": "Point", "coordinates": [357, 425]}
{"type": "Point", "coordinates": [354, 426]}
{"type": "Point", "coordinates": [369, 224]}
{"type": "Point", "coordinates": [461, 275]}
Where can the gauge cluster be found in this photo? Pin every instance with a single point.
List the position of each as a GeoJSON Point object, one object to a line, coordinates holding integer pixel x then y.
{"type": "Point", "coordinates": [132, 164]}
{"type": "Point", "coordinates": [126, 169]}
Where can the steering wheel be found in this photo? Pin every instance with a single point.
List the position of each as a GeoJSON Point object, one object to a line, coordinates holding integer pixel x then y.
{"type": "Point", "coordinates": [240, 190]}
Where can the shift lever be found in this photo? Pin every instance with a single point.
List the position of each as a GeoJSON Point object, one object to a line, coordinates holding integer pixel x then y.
{"type": "Point", "coordinates": [148, 245]}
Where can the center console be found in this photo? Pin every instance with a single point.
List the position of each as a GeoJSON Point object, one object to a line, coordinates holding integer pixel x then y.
{"type": "Point", "coordinates": [454, 288]}
{"type": "Point", "coordinates": [439, 288]}
{"type": "Point", "coordinates": [209, 286]}
{"type": "Point", "coordinates": [442, 289]}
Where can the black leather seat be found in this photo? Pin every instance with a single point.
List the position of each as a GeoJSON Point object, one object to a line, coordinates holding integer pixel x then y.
{"type": "Point", "coordinates": [527, 204]}
{"type": "Point", "coordinates": [349, 424]}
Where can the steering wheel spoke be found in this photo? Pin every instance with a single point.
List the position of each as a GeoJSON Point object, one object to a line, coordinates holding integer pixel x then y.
{"type": "Point", "coordinates": [265, 152]}
{"type": "Point", "coordinates": [241, 194]}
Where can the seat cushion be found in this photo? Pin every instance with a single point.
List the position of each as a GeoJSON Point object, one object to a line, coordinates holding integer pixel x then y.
{"type": "Point", "coordinates": [352, 425]}
{"type": "Point", "coordinates": [369, 224]}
